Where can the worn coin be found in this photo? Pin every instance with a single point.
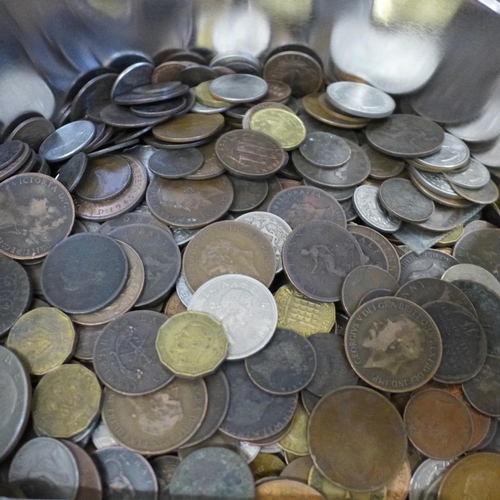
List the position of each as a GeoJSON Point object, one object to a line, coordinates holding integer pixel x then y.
{"type": "Point", "coordinates": [454, 154]}
{"type": "Point", "coordinates": [317, 257]}
{"type": "Point", "coordinates": [382, 166]}
{"type": "Point", "coordinates": [373, 254]}
{"type": "Point", "coordinates": [471, 272]}
{"type": "Point", "coordinates": [277, 91]}
{"type": "Point", "coordinates": [165, 468]}
{"type": "Point", "coordinates": [248, 194]}
{"type": "Point", "coordinates": [123, 117]}
{"type": "Point", "coordinates": [163, 109]}
{"type": "Point", "coordinates": [70, 174]}
{"type": "Point", "coordinates": [32, 131]}
{"type": "Point", "coordinates": [286, 489]}
{"type": "Point", "coordinates": [212, 166]}
{"type": "Point", "coordinates": [298, 469]}
{"type": "Point", "coordinates": [238, 88]}
{"type": "Point", "coordinates": [248, 115]}
{"type": "Point", "coordinates": [325, 150]}
{"type": "Point", "coordinates": [425, 474]}
{"type": "Point", "coordinates": [86, 339]}
{"type": "Point", "coordinates": [175, 163]}
{"type": "Point", "coordinates": [174, 305]}
{"type": "Point", "coordinates": [295, 440]}
{"type": "Point", "coordinates": [484, 195]}
{"type": "Point", "coordinates": [131, 77]}
{"type": "Point", "coordinates": [189, 127]}
{"type": "Point", "coordinates": [10, 151]}
{"type": "Point", "coordinates": [474, 177]}
{"type": "Point", "coordinates": [20, 164]}
{"type": "Point", "coordinates": [435, 183]}
{"type": "Point", "coordinates": [443, 218]}
{"type": "Point", "coordinates": [428, 264]}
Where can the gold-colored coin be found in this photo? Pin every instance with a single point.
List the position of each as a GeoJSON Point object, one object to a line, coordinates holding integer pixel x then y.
{"type": "Point", "coordinates": [66, 401]}
{"type": "Point", "coordinates": [286, 489]}
{"type": "Point", "coordinates": [298, 313]}
{"type": "Point", "coordinates": [192, 344]}
{"type": "Point", "coordinates": [287, 128]}
{"type": "Point", "coordinates": [43, 338]}
{"type": "Point", "coordinates": [398, 488]}
{"type": "Point", "coordinates": [266, 465]}
{"type": "Point", "coordinates": [203, 96]}
{"type": "Point", "coordinates": [296, 440]}
{"type": "Point", "coordinates": [451, 238]}
{"type": "Point", "coordinates": [189, 127]}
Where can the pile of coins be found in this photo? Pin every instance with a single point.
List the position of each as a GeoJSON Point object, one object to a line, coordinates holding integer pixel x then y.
{"type": "Point", "coordinates": [223, 278]}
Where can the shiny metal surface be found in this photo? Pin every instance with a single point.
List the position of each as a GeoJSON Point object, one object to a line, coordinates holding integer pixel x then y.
{"type": "Point", "coordinates": [444, 52]}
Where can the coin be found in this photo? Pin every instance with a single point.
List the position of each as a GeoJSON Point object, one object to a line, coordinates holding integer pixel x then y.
{"type": "Point", "coordinates": [298, 469]}
{"type": "Point", "coordinates": [285, 366]}
{"type": "Point", "coordinates": [238, 88]}
{"type": "Point", "coordinates": [373, 254]}
{"type": "Point", "coordinates": [125, 474]}
{"type": "Point", "coordinates": [70, 174]}
{"type": "Point", "coordinates": [370, 210]}
{"type": "Point", "coordinates": [382, 166]}
{"type": "Point", "coordinates": [454, 154]}
{"type": "Point", "coordinates": [86, 338]}
{"type": "Point", "coordinates": [399, 487]}
{"type": "Point", "coordinates": [475, 176]}
{"type": "Point", "coordinates": [443, 218]}
{"type": "Point", "coordinates": [189, 127]}
{"type": "Point", "coordinates": [317, 257]}
{"type": "Point", "coordinates": [337, 113]}
{"type": "Point", "coordinates": [295, 441]}
{"type": "Point", "coordinates": [247, 194]}
{"type": "Point", "coordinates": [204, 97]}
{"type": "Point", "coordinates": [66, 401]}
{"type": "Point", "coordinates": [438, 424]}
{"type": "Point", "coordinates": [157, 423]}
{"type": "Point", "coordinates": [20, 164]}
{"type": "Point", "coordinates": [426, 473]}
{"type": "Point", "coordinates": [174, 305]}
{"type": "Point", "coordinates": [383, 323]}
{"type": "Point", "coordinates": [471, 272]}
{"type": "Point", "coordinates": [164, 468]}
{"type": "Point", "coordinates": [484, 195]}
{"type": "Point", "coordinates": [405, 136]}
{"type": "Point", "coordinates": [435, 183]}
{"type": "Point", "coordinates": [37, 213]}
{"type": "Point", "coordinates": [45, 468]}
{"type": "Point", "coordinates": [123, 117]}
{"type": "Point", "coordinates": [43, 339]}
{"type": "Point", "coordinates": [10, 151]}
{"type": "Point", "coordinates": [98, 279]}
{"type": "Point", "coordinates": [32, 131]}
{"type": "Point", "coordinates": [339, 428]}
{"type": "Point", "coordinates": [325, 150]}
{"type": "Point", "coordinates": [176, 163]}
{"type": "Point", "coordinates": [286, 488]}
{"type": "Point", "coordinates": [428, 264]}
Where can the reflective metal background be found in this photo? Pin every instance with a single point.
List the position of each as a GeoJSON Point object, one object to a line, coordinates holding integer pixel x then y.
{"type": "Point", "coordinates": [444, 53]}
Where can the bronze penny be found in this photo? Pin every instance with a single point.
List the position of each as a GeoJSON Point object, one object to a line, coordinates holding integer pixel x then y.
{"type": "Point", "coordinates": [212, 166]}
{"type": "Point", "coordinates": [383, 166]}
{"type": "Point", "coordinates": [286, 489]}
{"type": "Point", "coordinates": [86, 338]}
{"type": "Point", "coordinates": [121, 116]}
{"type": "Point", "coordinates": [393, 344]}
{"type": "Point", "coordinates": [189, 127]}
{"type": "Point", "coordinates": [250, 154]}
{"type": "Point", "coordinates": [247, 194]}
{"type": "Point", "coordinates": [132, 218]}
{"type": "Point", "coordinates": [174, 305]}
{"type": "Point", "coordinates": [189, 204]}
{"type": "Point", "coordinates": [277, 91]}
{"type": "Point", "coordinates": [428, 264]}
{"type": "Point", "coordinates": [373, 255]}
{"type": "Point", "coordinates": [176, 163]}
{"type": "Point", "coordinates": [228, 247]}
{"type": "Point", "coordinates": [340, 427]}
{"type": "Point", "coordinates": [298, 469]}
{"type": "Point", "coordinates": [438, 424]}
{"type": "Point", "coordinates": [169, 71]}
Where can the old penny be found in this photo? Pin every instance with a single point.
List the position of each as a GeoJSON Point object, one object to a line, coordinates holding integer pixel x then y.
{"type": "Point", "coordinates": [428, 264]}
{"type": "Point", "coordinates": [189, 127]}
{"type": "Point", "coordinates": [175, 163]}
{"type": "Point", "coordinates": [286, 489]}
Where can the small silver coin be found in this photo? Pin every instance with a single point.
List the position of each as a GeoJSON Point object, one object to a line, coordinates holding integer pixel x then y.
{"type": "Point", "coordinates": [474, 177]}
{"type": "Point", "coordinates": [238, 88]}
{"type": "Point", "coordinates": [325, 150]}
{"type": "Point", "coordinates": [436, 183]}
{"type": "Point", "coordinates": [453, 154]}
{"type": "Point", "coordinates": [427, 472]}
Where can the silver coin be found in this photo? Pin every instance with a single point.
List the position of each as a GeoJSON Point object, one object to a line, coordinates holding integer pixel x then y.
{"type": "Point", "coordinates": [183, 236]}
{"type": "Point", "coordinates": [371, 212]}
{"type": "Point", "coordinates": [45, 468]}
{"type": "Point", "coordinates": [274, 228]}
{"type": "Point", "coordinates": [432, 491]}
{"type": "Point", "coordinates": [427, 472]}
{"type": "Point", "coordinates": [483, 196]}
{"type": "Point", "coordinates": [471, 272]}
{"type": "Point", "coordinates": [359, 99]}
{"type": "Point", "coordinates": [325, 150]}
{"type": "Point", "coordinates": [183, 291]}
{"type": "Point", "coordinates": [248, 451]}
{"type": "Point", "coordinates": [474, 177]}
{"type": "Point", "coordinates": [102, 438]}
{"type": "Point", "coordinates": [245, 307]}
{"type": "Point", "coordinates": [208, 110]}
{"type": "Point", "coordinates": [134, 76]}
{"type": "Point", "coordinates": [67, 141]}
{"type": "Point", "coordinates": [437, 183]}
{"type": "Point", "coordinates": [238, 88]}
{"type": "Point", "coordinates": [453, 154]}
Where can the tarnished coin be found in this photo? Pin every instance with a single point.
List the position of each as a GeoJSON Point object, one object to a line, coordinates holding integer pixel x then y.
{"type": "Point", "coordinates": [228, 247]}
{"type": "Point", "coordinates": [174, 305]}
{"type": "Point", "coordinates": [298, 469]}
{"type": "Point", "coordinates": [438, 424]}
{"type": "Point", "coordinates": [86, 339]}
{"type": "Point", "coordinates": [474, 177]}
{"type": "Point", "coordinates": [399, 487]}
{"type": "Point", "coordinates": [454, 154]}
{"type": "Point", "coordinates": [435, 183]}
{"type": "Point", "coordinates": [66, 401]}
{"type": "Point", "coordinates": [125, 358]}
{"type": "Point", "coordinates": [190, 204]}
{"type": "Point", "coordinates": [340, 426]}
{"type": "Point", "coordinates": [471, 272]}
{"type": "Point", "coordinates": [425, 474]}
{"type": "Point", "coordinates": [245, 307]}
{"type": "Point", "coordinates": [92, 284]}
{"type": "Point", "coordinates": [189, 127]}
{"type": "Point", "coordinates": [215, 472]}
{"type": "Point", "coordinates": [443, 218]}
{"type": "Point", "coordinates": [10, 151]}
{"type": "Point", "coordinates": [248, 194]}
{"type": "Point", "coordinates": [428, 264]}
{"type": "Point", "coordinates": [162, 109]}
{"type": "Point", "coordinates": [32, 131]}
{"type": "Point", "coordinates": [405, 136]}
{"type": "Point", "coordinates": [37, 213]}
{"type": "Point", "coordinates": [317, 257]}
{"type": "Point", "coordinates": [204, 97]}
{"type": "Point", "coordinates": [43, 339]}
{"type": "Point", "coordinates": [325, 150]}
{"type": "Point", "coordinates": [484, 195]}
{"type": "Point", "coordinates": [373, 255]}
{"type": "Point", "coordinates": [175, 163]}
{"type": "Point", "coordinates": [253, 413]}
{"type": "Point", "coordinates": [482, 390]}
{"type": "Point", "coordinates": [333, 371]}
{"type": "Point", "coordinates": [286, 489]}
{"type": "Point", "coordinates": [45, 468]}
{"type": "Point", "coordinates": [123, 117]}
{"type": "Point", "coordinates": [382, 166]}
{"type": "Point", "coordinates": [393, 344]}
{"type": "Point", "coordinates": [165, 468]}
{"type": "Point", "coordinates": [302, 204]}
{"type": "Point", "coordinates": [212, 166]}
{"type": "Point", "coordinates": [238, 88]}
{"type": "Point", "coordinates": [125, 474]}
{"type": "Point", "coordinates": [71, 172]}
{"type": "Point", "coordinates": [157, 423]}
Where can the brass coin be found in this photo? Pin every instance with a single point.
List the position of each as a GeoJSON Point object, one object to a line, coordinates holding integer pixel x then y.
{"type": "Point", "coordinates": [228, 247]}
{"type": "Point", "coordinates": [399, 487]}
{"type": "Point", "coordinates": [66, 401]}
{"type": "Point", "coordinates": [189, 127]}
{"type": "Point", "coordinates": [156, 423]}
{"type": "Point", "coordinates": [286, 489]}
{"type": "Point", "coordinates": [247, 117]}
{"type": "Point", "coordinates": [266, 465]}
{"type": "Point", "coordinates": [43, 338]}
{"type": "Point", "coordinates": [204, 96]}
{"type": "Point", "coordinates": [295, 440]}
{"type": "Point", "coordinates": [393, 344]}
{"type": "Point", "coordinates": [340, 427]}
{"type": "Point", "coordinates": [192, 344]}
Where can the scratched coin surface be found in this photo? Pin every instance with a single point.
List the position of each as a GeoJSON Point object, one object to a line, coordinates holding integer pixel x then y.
{"type": "Point", "coordinates": [393, 344]}
{"type": "Point", "coordinates": [428, 264]}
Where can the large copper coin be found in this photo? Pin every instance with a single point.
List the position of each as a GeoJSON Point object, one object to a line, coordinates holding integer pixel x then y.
{"type": "Point", "coordinates": [357, 438]}
{"type": "Point", "coordinates": [393, 344]}
{"type": "Point", "coordinates": [157, 423]}
{"type": "Point", "coordinates": [228, 247]}
{"type": "Point", "coordinates": [286, 489]}
{"type": "Point", "coordinates": [189, 127]}
{"type": "Point", "coordinates": [189, 204]}
{"type": "Point", "coordinates": [317, 256]}
{"type": "Point", "coordinates": [438, 424]}
{"type": "Point", "coordinates": [36, 213]}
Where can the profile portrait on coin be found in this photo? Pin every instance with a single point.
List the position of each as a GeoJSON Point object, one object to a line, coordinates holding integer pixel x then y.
{"type": "Point", "coordinates": [235, 309]}
{"type": "Point", "coordinates": [194, 340]}
{"type": "Point", "coordinates": [226, 257]}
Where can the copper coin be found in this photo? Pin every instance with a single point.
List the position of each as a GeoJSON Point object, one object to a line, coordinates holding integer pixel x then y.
{"type": "Point", "coordinates": [212, 166]}
{"type": "Point", "coordinates": [86, 339]}
{"type": "Point", "coordinates": [428, 264]}
{"type": "Point", "coordinates": [277, 91]}
{"type": "Point", "coordinates": [168, 71]}
{"type": "Point", "coordinates": [32, 131]}
{"type": "Point", "coordinates": [340, 427]}
{"type": "Point", "coordinates": [247, 194]}
{"type": "Point", "coordinates": [286, 489]}
{"type": "Point", "coordinates": [382, 166]}
{"type": "Point", "coordinates": [175, 164]}
{"type": "Point", "coordinates": [325, 150]}
{"type": "Point", "coordinates": [228, 247]}
{"type": "Point", "coordinates": [189, 127]}
{"type": "Point", "coordinates": [438, 424]}
{"type": "Point", "coordinates": [373, 255]}
{"type": "Point", "coordinates": [189, 204]}
{"type": "Point", "coordinates": [482, 390]}
{"type": "Point", "coordinates": [132, 218]}
{"type": "Point", "coordinates": [121, 116]}
{"type": "Point", "coordinates": [71, 172]}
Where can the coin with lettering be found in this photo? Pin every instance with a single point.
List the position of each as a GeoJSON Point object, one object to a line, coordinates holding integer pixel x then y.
{"type": "Point", "coordinates": [174, 305]}
{"type": "Point", "coordinates": [472, 272]}
{"type": "Point", "coordinates": [393, 344]}
{"type": "Point", "coordinates": [373, 255]}
{"type": "Point", "coordinates": [428, 264]}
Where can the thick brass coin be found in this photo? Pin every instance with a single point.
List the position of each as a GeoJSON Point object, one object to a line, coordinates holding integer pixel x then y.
{"type": "Point", "coordinates": [228, 247]}
{"type": "Point", "coordinates": [266, 466]}
{"type": "Point", "coordinates": [438, 424]}
{"type": "Point", "coordinates": [157, 423]}
{"type": "Point", "coordinates": [43, 338]}
{"type": "Point", "coordinates": [286, 489]}
{"type": "Point", "coordinates": [66, 401]}
{"type": "Point", "coordinates": [399, 487]}
{"type": "Point", "coordinates": [192, 344]}
{"type": "Point", "coordinates": [295, 440]}
{"type": "Point", "coordinates": [340, 427]}
{"type": "Point", "coordinates": [393, 344]}
{"type": "Point", "coordinates": [189, 127]}
{"type": "Point", "coordinates": [204, 96]}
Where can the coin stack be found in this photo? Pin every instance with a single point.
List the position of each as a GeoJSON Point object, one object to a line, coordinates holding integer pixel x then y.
{"type": "Point", "coordinates": [217, 281]}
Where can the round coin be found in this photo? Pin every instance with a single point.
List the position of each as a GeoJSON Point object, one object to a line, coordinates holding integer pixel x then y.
{"type": "Point", "coordinates": [325, 150]}
{"type": "Point", "coordinates": [382, 166]}
{"type": "Point", "coordinates": [86, 339]}
{"type": "Point", "coordinates": [471, 272]}
{"type": "Point", "coordinates": [475, 176]}
{"type": "Point", "coordinates": [454, 154]}
{"type": "Point", "coordinates": [247, 194]}
{"type": "Point", "coordinates": [286, 489]}
{"type": "Point", "coordinates": [175, 163]}
{"type": "Point", "coordinates": [70, 174]}
{"type": "Point", "coordinates": [428, 264]}
{"type": "Point", "coordinates": [373, 254]}
{"type": "Point", "coordinates": [212, 166]}
{"type": "Point", "coordinates": [164, 468]}
{"type": "Point", "coordinates": [443, 218]}
{"type": "Point", "coordinates": [484, 195]}
{"type": "Point", "coordinates": [32, 131]}
{"type": "Point", "coordinates": [238, 88]}
{"type": "Point", "coordinates": [189, 127]}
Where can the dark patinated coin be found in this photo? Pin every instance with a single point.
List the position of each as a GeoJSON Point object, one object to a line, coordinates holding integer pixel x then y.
{"type": "Point", "coordinates": [325, 150]}
{"type": "Point", "coordinates": [405, 136]}
{"type": "Point", "coordinates": [163, 109]}
{"type": "Point", "coordinates": [375, 294]}
{"type": "Point", "coordinates": [121, 116]}
{"type": "Point", "coordinates": [334, 371]}
{"type": "Point", "coordinates": [86, 338]}
{"type": "Point", "coordinates": [464, 342]}
{"type": "Point", "coordinates": [285, 366]}
{"type": "Point", "coordinates": [9, 152]}
{"type": "Point", "coordinates": [165, 468]}
{"type": "Point", "coordinates": [125, 474]}
{"type": "Point", "coordinates": [176, 163]}
{"type": "Point", "coordinates": [382, 166]}
{"type": "Point", "coordinates": [317, 257]}
{"type": "Point", "coordinates": [309, 400]}
{"type": "Point", "coordinates": [19, 164]}
{"type": "Point", "coordinates": [132, 218]}
{"type": "Point", "coordinates": [160, 255]}
{"type": "Point", "coordinates": [482, 390]}
{"type": "Point", "coordinates": [486, 194]}
{"type": "Point", "coordinates": [71, 172]}
{"type": "Point", "coordinates": [213, 473]}
{"type": "Point", "coordinates": [125, 357]}
{"type": "Point", "coordinates": [373, 254]}
{"type": "Point", "coordinates": [444, 218]}
{"type": "Point", "coordinates": [32, 131]}
{"type": "Point", "coordinates": [428, 264]}
{"type": "Point", "coordinates": [253, 413]}
{"type": "Point", "coordinates": [247, 194]}
{"type": "Point", "coordinates": [212, 166]}
{"type": "Point", "coordinates": [84, 273]}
